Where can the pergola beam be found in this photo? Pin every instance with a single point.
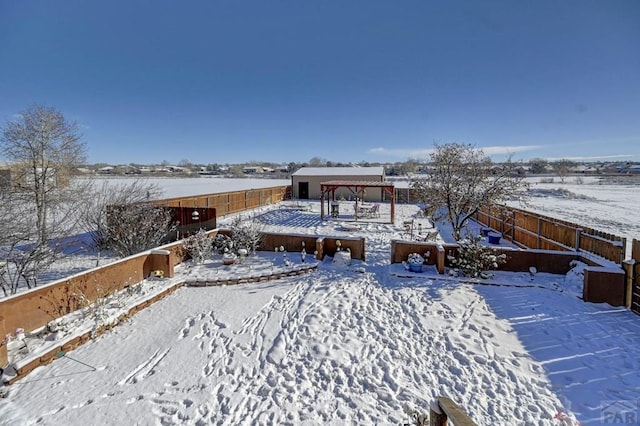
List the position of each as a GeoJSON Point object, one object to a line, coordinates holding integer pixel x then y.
{"type": "Point", "coordinates": [329, 189]}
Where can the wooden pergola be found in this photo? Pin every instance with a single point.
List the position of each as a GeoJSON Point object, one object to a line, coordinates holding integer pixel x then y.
{"type": "Point", "coordinates": [357, 187]}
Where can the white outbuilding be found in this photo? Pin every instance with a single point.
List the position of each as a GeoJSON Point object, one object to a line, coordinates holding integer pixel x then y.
{"type": "Point", "coordinates": [306, 181]}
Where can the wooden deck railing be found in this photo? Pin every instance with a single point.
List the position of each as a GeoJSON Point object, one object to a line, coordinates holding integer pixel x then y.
{"type": "Point", "coordinates": [445, 410]}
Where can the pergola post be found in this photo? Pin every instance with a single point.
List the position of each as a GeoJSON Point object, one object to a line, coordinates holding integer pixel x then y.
{"type": "Point", "coordinates": [328, 189]}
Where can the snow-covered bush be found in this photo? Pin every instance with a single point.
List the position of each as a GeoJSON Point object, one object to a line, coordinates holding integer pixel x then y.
{"type": "Point", "coordinates": [246, 235]}
{"type": "Point", "coordinates": [416, 417]}
{"type": "Point", "coordinates": [415, 259]}
{"type": "Point", "coordinates": [222, 244]}
{"type": "Point", "coordinates": [199, 246]}
{"type": "Point", "coordinates": [474, 260]}
{"type": "Point", "coordinates": [133, 228]}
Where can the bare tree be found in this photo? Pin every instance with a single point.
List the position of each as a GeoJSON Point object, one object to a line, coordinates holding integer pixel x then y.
{"type": "Point", "coordinates": [43, 149]}
{"type": "Point", "coordinates": [38, 212]}
{"type": "Point", "coordinates": [538, 165]}
{"type": "Point", "coordinates": [562, 168]}
{"type": "Point", "coordinates": [317, 162]}
{"type": "Point", "coordinates": [16, 233]}
{"type": "Point", "coordinates": [121, 217]}
{"type": "Point", "coordinates": [462, 180]}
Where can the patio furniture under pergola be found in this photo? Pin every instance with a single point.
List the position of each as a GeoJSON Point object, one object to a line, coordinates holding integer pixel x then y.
{"type": "Point", "coordinates": [328, 190]}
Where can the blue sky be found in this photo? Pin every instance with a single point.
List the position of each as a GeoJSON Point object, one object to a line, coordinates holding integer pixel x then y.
{"type": "Point", "coordinates": [280, 81]}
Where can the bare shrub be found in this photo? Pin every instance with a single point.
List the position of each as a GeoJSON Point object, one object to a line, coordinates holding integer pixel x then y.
{"type": "Point", "coordinates": [246, 235]}
{"type": "Point", "coordinates": [136, 227]}
{"type": "Point", "coordinates": [94, 215]}
{"type": "Point", "coordinates": [199, 246]}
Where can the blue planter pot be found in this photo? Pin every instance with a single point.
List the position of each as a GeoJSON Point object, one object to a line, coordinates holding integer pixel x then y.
{"type": "Point", "coordinates": [485, 231]}
{"type": "Point", "coordinates": [494, 237]}
{"type": "Point", "coordinates": [415, 267]}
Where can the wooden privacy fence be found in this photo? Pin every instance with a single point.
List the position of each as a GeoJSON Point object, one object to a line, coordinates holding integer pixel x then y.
{"type": "Point", "coordinates": [232, 202]}
{"type": "Point", "coordinates": [634, 297]}
{"type": "Point", "coordinates": [533, 230]}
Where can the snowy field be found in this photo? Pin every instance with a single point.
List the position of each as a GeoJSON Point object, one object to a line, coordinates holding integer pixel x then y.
{"type": "Point", "coordinates": [357, 344]}
{"type": "Point", "coordinates": [594, 203]}
{"type": "Point", "coordinates": [182, 187]}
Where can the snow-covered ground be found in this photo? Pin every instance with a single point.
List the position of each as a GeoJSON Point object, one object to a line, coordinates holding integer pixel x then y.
{"type": "Point", "coordinates": [349, 345]}
{"type": "Point", "coordinates": [182, 187]}
{"type": "Point", "coordinates": [591, 201]}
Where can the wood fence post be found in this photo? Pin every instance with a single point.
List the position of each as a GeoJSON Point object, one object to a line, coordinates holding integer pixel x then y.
{"type": "Point", "coordinates": [319, 248]}
{"type": "Point", "coordinates": [444, 409]}
{"type": "Point", "coordinates": [4, 357]}
{"type": "Point", "coordinates": [437, 419]}
{"type": "Point", "coordinates": [578, 233]}
{"type": "Point", "coordinates": [539, 231]}
{"type": "Point", "coordinates": [629, 272]}
{"type": "Point", "coordinates": [440, 258]}
{"type": "Point", "coordinates": [623, 249]}
{"type": "Point", "coordinates": [436, 416]}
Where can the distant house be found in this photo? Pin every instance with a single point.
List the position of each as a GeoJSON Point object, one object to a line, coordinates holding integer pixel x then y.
{"type": "Point", "coordinates": [178, 169]}
{"type": "Point", "coordinates": [305, 182]}
{"type": "Point", "coordinates": [634, 169]}
{"type": "Point", "coordinates": [50, 177]}
{"type": "Point", "coordinates": [106, 170]}
{"type": "Point", "coordinates": [251, 170]}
